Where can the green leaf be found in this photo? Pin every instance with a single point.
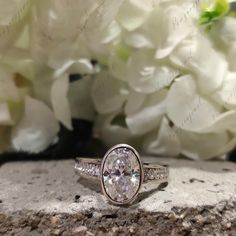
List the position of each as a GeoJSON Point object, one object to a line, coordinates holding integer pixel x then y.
{"type": "Point", "coordinates": [213, 12]}
{"type": "Point", "coordinates": [222, 7]}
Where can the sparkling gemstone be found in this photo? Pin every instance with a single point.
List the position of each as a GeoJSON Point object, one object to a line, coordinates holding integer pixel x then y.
{"type": "Point", "coordinates": [121, 174]}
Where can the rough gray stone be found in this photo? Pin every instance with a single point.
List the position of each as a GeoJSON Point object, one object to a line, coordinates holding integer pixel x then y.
{"type": "Point", "coordinates": [47, 198]}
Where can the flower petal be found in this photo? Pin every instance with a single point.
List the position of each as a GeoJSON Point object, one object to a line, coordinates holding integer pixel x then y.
{"type": "Point", "coordinates": [37, 129]}
{"type": "Point", "coordinates": [8, 89]}
{"type": "Point", "coordinates": [98, 25]}
{"type": "Point", "coordinates": [42, 85]}
{"type": "Point", "coordinates": [132, 14]}
{"type": "Point", "coordinates": [145, 75]}
{"type": "Point", "coordinates": [149, 116]}
{"type": "Point", "coordinates": [226, 95]}
{"type": "Point", "coordinates": [202, 146]}
{"type": "Point", "coordinates": [81, 66]}
{"type": "Point", "coordinates": [5, 115]}
{"type": "Point", "coordinates": [163, 143]}
{"type": "Point", "coordinates": [222, 122]}
{"type": "Point", "coordinates": [186, 108]}
{"type": "Point", "coordinates": [112, 134]}
{"type": "Point", "coordinates": [108, 93]}
{"type": "Point", "coordinates": [112, 31]}
{"type": "Point", "coordinates": [80, 100]}
{"type": "Point", "coordinates": [21, 62]}
{"type": "Point", "coordinates": [225, 31]}
{"type": "Point", "coordinates": [118, 67]}
{"type": "Point", "coordinates": [54, 28]}
{"type": "Point", "coordinates": [231, 58]}
{"type": "Point", "coordinates": [12, 20]}
{"type": "Point", "coordinates": [197, 55]}
{"type": "Point", "coordinates": [167, 27]}
{"type": "Point", "coordinates": [60, 103]}
{"type": "Point", "coordinates": [134, 101]}
{"type": "Point", "coordinates": [137, 40]}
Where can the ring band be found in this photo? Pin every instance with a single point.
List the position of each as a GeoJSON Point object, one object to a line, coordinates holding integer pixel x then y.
{"type": "Point", "coordinates": [90, 168]}
{"type": "Point", "coordinates": [121, 173]}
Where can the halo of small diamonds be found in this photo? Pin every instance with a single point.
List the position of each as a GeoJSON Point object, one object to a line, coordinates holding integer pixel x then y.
{"type": "Point", "coordinates": [121, 174]}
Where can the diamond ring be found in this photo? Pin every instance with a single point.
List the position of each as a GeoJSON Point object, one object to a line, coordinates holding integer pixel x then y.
{"type": "Point", "coordinates": [121, 173]}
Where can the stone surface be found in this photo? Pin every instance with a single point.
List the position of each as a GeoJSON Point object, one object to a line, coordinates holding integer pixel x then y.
{"type": "Point", "coordinates": [46, 198]}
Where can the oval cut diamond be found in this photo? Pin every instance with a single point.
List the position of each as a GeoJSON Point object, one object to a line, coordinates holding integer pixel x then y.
{"type": "Point", "coordinates": [121, 174]}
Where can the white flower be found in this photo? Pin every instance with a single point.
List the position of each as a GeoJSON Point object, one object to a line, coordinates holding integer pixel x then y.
{"type": "Point", "coordinates": [162, 81]}
{"type": "Point", "coordinates": [180, 96]}
{"type": "Point", "coordinates": [37, 128]}
{"type": "Point", "coordinates": [35, 98]}
{"type": "Point", "coordinates": [26, 124]}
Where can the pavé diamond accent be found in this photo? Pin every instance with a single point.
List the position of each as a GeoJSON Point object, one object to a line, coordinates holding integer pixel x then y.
{"type": "Point", "coordinates": [155, 174]}
{"type": "Point", "coordinates": [92, 170]}
{"type": "Point", "coordinates": [121, 174]}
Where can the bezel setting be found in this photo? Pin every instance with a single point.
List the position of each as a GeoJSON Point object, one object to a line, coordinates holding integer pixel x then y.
{"type": "Point", "coordinates": [141, 174]}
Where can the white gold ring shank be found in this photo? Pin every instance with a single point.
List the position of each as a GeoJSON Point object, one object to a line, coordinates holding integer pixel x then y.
{"type": "Point", "coordinates": [91, 168]}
